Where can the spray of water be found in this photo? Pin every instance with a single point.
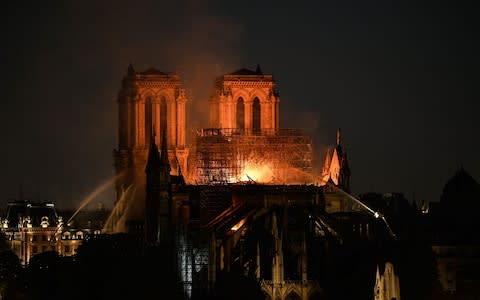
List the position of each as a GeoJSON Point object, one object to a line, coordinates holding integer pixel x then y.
{"type": "Point", "coordinates": [101, 188]}
{"type": "Point", "coordinates": [116, 219]}
{"type": "Point", "coordinates": [376, 214]}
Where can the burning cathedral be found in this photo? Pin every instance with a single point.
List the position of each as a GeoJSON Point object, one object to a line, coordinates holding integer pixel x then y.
{"type": "Point", "coordinates": [240, 196]}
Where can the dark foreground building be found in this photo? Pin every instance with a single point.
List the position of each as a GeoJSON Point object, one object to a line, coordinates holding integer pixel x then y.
{"type": "Point", "coordinates": [452, 223]}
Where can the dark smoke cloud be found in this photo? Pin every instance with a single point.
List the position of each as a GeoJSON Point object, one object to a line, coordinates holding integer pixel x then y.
{"type": "Point", "coordinates": [67, 61]}
{"type": "Point", "coordinates": [399, 79]}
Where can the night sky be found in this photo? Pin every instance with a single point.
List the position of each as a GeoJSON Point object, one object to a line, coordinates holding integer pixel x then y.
{"type": "Point", "coordinates": [400, 78]}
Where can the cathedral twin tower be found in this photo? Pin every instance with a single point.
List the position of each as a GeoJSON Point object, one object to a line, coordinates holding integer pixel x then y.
{"type": "Point", "coordinates": [150, 100]}
{"type": "Point", "coordinates": [245, 100]}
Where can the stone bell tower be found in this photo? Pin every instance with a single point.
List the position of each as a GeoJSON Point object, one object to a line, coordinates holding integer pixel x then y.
{"type": "Point", "coordinates": [245, 100]}
{"type": "Point", "coordinates": [147, 101]}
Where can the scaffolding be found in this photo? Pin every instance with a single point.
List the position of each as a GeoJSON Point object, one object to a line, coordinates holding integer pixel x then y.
{"type": "Point", "coordinates": [227, 155]}
{"type": "Point", "coordinates": [192, 262]}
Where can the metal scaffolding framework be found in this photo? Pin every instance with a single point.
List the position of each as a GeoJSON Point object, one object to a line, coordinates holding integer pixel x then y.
{"type": "Point", "coordinates": [226, 155]}
{"type": "Point", "coordinates": [192, 261]}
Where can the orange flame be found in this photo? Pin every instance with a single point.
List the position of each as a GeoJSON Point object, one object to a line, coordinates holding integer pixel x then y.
{"type": "Point", "coordinates": [257, 172]}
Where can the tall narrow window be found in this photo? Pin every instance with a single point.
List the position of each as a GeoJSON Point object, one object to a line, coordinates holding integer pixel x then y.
{"type": "Point", "coordinates": [163, 117]}
{"type": "Point", "coordinates": [256, 111]}
{"type": "Point", "coordinates": [240, 114]}
{"type": "Point", "coordinates": [148, 120]}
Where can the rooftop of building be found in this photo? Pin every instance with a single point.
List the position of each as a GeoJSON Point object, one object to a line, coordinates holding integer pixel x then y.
{"type": "Point", "coordinates": [245, 71]}
{"type": "Point", "coordinates": [461, 188]}
{"type": "Point", "coordinates": [245, 74]}
{"type": "Point", "coordinates": [151, 72]}
{"type": "Point", "coordinates": [35, 211]}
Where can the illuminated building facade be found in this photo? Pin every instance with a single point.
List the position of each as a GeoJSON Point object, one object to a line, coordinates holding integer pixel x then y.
{"type": "Point", "coordinates": [31, 228]}
{"type": "Point", "coordinates": [149, 102]}
{"type": "Point", "coordinates": [387, 284]}
{"type": "Point", "coordinates": [245, 100]}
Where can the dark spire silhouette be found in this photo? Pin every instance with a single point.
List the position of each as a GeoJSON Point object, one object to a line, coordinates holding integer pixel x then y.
{"type": "Point", "coordinates": [164, 150]}
{"type": "Point", "coordinates": [339, 146]}
{"type": "Point", "coordinates": [130, 70]}
{"type": "Point", "coordinates": [153, 159]}
{"type": "Point", "coordinates": [178, 166]}
{"type": "Point", "coordinates": [152, 187]}
{"type": "Point", "coordinates": [164, 153]}
{"type": "Point", "coordinates": [180, 175]}
{"type": "Point", "coordinates": [259, 70]}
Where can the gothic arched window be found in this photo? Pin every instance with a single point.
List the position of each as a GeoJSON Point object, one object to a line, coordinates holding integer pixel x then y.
{"type": "Point", "coordinates": [240, 114]}
{"type": "Point", "coordinates": [256, 113]}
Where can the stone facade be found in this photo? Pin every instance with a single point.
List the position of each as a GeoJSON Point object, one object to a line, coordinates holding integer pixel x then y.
{"type": "Point", "coordinates": [387, 285]}
{"type": "Point", "coordinates": [149, 102]}
{"type": "Point", "coordinates": [245, 100]}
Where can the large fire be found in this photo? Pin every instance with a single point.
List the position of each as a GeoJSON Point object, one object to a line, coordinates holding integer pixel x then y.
{"type": "Point", "coordinates": [267, 156]}
{"type": "Point", "coordinates": [261, 173]}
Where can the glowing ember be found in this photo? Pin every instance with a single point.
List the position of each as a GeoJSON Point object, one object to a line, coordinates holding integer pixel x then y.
{"type": "Point", "coordinates": [238, 225]}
